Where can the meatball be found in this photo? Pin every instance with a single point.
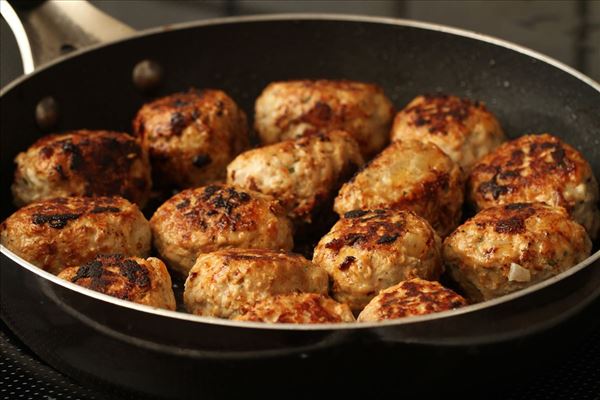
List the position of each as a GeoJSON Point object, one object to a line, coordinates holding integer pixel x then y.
{"type": "Point", "coordinates": [367, 251]}
{"type": "Point", "coordinates": [83, 163]}
{"type": "Point", "coordinates": [69, 231]}
{"type": "Point", "coordinates": [463, 129]}
{"type": "Point", "coordinates": [226, 282]}
{"type": "Point", "coordinates": [410, 298]}
{"type": "Point", "coordinates": [288, 110]}
{"type": "Point", "coordinates": [304, 174]}
{"type": "Point", "coordinates": [192, 136]}
{"type": "Point", "coordinates": [298, 308]}
{"type": "Point", "coordinates": [507, 248]}
{"type": "Point", "coordinates": [537, 168]}
{"type": "Point", "coordinates": [215, 217]}
{"type": "Point", "coordinates": [143, 281]}
{"type": "Point", "coordinates": [408, 175]}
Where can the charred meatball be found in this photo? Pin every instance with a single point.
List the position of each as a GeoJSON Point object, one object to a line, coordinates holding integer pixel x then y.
{"type": "Point", "coordinates": [83, 163]}
{"type": "Point", "coordinates": [298, 308]}
{"type": "Point", "coordinates": [463, 129]}
{"type": "Point", "coordinates": [215, 217]}
{"type": "Point", "coordinates": [288, 110]}
{"type": "Point", "coordinates": [226, 282]}
{"type": "Point", "coordinates": [143, 281]}
{"type": "Point", "coordinates": [538, 168]}
{"type": "Point", "coordinates": [507, 248]}
{"type": "Point", "coordinates": [367, 251]}
{"type": "Point", "coordinates": [192, 136]}
{"type": "Point", "coordinates": [69, 231]}
{"type": "Point", "coordinates": [408, 175]}
{"type": "Point", "coordinates": [410, 298]}
{"type": "Point", "coordinates": [304, 174]}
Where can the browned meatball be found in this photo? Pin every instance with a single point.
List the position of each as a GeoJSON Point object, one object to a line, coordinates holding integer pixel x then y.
{"type": "Point", "coordinates": [408, 175]}
{"type": "Point", "coordinates": [367, 251]}
{"type": "Point", "coordinates": [192, 136]}
{"type": "Point", "coordinates": [215, 217]}
{"type": "Point", "coordinates": [83, 163]}
{"type": "Point", "coordinates": [224, 283]}
{"type": "Point", "coordinates": [538, 168]}
{"type": "Point", "coordinates": [463, 129]}
{"type": "Point", "coordinates": [288, 110]}
{"type": "Point", "coordinates": [410, 298]}
{"type": "Point", "coordinates": [143, 281]}
{"type": "Point", "coordinates": [298, 308]}
{"type": "Point", "coordinates": [68, 231]}
{"type": "Point", "coordinates": [507, 248]}
{"type": "Point", "coordinates": [304, 174]}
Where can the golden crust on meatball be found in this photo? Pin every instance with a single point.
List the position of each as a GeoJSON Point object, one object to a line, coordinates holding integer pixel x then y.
{"type": "Point", "coordinates": [68, 231]}
{"type": "Point", "coordinates": [298, 308]}
{"type": "Point", "coordinates": [367, 251]}
{"type": "Point", "coordinates": [463, 129]}
{"type": "Point", "coordinates": [507, 248]}
{"type": "Point", "coordinates": [538, 168]}
{"type": "Point", "coordinates": [83, 163]}
{"type": "Point", "coordinates": [408, 175]}
{"type": "Point", "coordinates": [288, 110]}
{"type": "Point", "coordinates": [224, 283]}
{"type": "Point", "coordinates": [410, 298]}
{"type": "Point", "coordinates": [304, 174]}
{"type": "Point", "coordinates": [143, 281]}
{"type": "Point", "coordinates": [191, 136]}
{"type": "Point", "coordinates": [215, 217]}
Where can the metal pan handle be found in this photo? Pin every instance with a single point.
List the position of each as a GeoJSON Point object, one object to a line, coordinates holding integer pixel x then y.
{"type": "Point", "coordinates": [46, 30]}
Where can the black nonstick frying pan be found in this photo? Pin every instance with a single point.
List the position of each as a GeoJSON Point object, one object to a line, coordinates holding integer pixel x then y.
{"type": "Point", "coordinates": [99, 339]}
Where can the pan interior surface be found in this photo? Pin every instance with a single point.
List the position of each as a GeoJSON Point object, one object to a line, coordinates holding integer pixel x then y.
{"type": "Point", "coordinates": [94, 89]}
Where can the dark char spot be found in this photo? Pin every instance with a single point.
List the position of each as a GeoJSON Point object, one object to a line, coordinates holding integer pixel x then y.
{"type": "Point", "coordinates": [75, 152]}
{"type": "Point", "coordinates": [180, 103]}
{"type": "Point", "coordinates": [355, 213]}
{"type": "Point", "coordinates": [46, 151]}
{"type": "Point", "coordinates": [56, 221]}
{"type": "Point", "coordinates": [353, 238]}
{"type": "Point", "coordinates": [134, 273]}
{"type": "Point", "coordinates": [178, 122]}
{"type": "Point", "coordinates": [321, 111]}
{"type": "Point", "coordinates": [510, 225]}
{"type": "Point", "coordinates": [387, 239]}
{"type": "Point", "coordinates": [209, 191]}
{"type": "Point", "coordinates": [348, 261]}
{"type": "Point", "coordinates": [182, 204]}
{"type": "Point", "coordinates": [508, 174]}
{"type": "Point", "coordinates": [335, 244]}
{"type": "Point", "coordinates": [516, 206]}
{"type": "Point", "coordinates": [92, 269]}
{"type": "Point", "coordinates": [493, 188]}
{"type": "Point", "coordinates": [558, 155]}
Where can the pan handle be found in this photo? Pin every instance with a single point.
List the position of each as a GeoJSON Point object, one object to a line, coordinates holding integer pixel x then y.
{"type": "Point", "coordinates": [46, 30]}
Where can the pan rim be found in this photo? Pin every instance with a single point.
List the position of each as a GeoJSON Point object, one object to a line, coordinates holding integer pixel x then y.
{"type": "Point", "coordinates": [318, 17]}
{"type": "Point", "coordinates": [309, 327]}
{"type": "Point", "coordinates": [299, 327]}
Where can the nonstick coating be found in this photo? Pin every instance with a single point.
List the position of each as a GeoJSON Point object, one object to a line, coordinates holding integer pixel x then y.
{"type": "Point", "coordinates": [95, 340]}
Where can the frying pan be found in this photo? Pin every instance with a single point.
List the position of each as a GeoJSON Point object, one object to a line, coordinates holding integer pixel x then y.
{"type": "Point", "coordinates": [101, 340]}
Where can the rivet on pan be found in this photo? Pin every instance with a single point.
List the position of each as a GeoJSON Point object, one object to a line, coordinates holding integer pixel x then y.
{"type": "Point", "coordinates": [47, 113]}
{"type": "Point", "coordinates": [67, 48]}
{"type": "Point", "coordinates": [147, 75]}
